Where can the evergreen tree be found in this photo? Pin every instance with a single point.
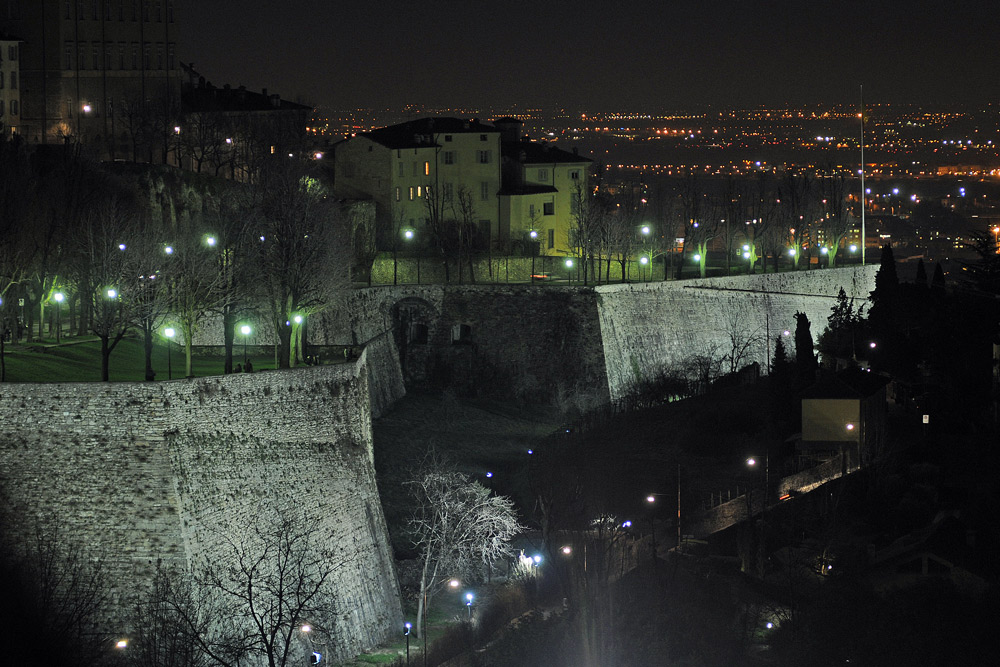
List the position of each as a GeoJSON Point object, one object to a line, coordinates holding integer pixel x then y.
{"type": "Point", "coordinates": [921, 272]}
{"type": "Point", "coordinates": [937, 282]}
{"type": "Point", "coordinates": [805, 357]}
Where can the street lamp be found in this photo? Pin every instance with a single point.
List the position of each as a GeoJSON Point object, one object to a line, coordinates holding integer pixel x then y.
{"type": "Point", "coordinates": [533, 235]}
{"type": "Point", "coordinates": [406, 633]}
{"type": "Point", "coordinates": [468, 603]}
{"type": "Point", "coordinates": [245, 330]}
{"type": "Point", "coordinates": [569, 270]}
{"type": "Point", "coordinates": [169, 333]}
{"type": "Point", "coordinates": [58, 296]}
{"type": "Point", "coordinates": [409, 235]}
{"type": "Point", "coordinates": [643, 261]}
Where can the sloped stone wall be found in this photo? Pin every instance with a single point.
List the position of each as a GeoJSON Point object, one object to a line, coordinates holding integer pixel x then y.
{"type": "Point", "coordinates": [141, 473]}
{"type": "Point", "coordinates": [649, 328]}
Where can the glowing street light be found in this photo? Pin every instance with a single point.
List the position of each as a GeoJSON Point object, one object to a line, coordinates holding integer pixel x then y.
{"type": "Point", "coordinates": [409, 235]}
{"type": "Point", "coordinates": [112, 293]}
{"type": "Point", "coordinates": [210, 241]}
{"type": "Point", "coordinates": [468, 603]}
{"type": "Point", "coordinates": [58, 297]}
{"type": "Point", "coordinates": [245, 330]}
{"type": "Point", "coordinates": [169, 332]}
{"type": "Point", "coordinates": [406, 632]}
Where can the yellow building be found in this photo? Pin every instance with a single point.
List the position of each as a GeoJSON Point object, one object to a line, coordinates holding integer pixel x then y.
{"type": "Point", "coordinates": [541, 187]}
{"type": "Point", "coordinates": [423, 171]}
{"type": "Point", "coordinates": [434, 170]}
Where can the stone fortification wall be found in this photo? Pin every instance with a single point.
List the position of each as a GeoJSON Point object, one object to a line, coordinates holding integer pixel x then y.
{"type": "Point", "coordinates": [534, 342]}
{"type": "Point", "coordinates": [141, 473]}
{"type": "Point", "coordinates": [651, 328]}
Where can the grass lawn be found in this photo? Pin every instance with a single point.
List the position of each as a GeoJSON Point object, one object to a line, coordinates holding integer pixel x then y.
{"type": "Point", "coordinates": [79, 360]}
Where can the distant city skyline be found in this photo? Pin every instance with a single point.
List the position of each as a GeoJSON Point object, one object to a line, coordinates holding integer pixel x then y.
{"type": "Point", "coordinates": [640, 53]}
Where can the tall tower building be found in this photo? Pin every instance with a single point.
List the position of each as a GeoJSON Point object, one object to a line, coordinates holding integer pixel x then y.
{"type": "Point", "coordinates": [103, 72]}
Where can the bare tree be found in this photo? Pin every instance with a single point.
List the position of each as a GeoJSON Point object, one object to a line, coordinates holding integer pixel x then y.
{"type": "Point", "coordinates": [303, 254]}
{"type": "Point", "coordinates": [464, 208]}
{"type": "Point", "coordinates": [14, 182]}
{"type": "Point", "coordinates": [52, 590]}
{"type": "Point", "coordinates": [194, 283]}
{"type": "Point", "coordinates": [585, 230]}
{"type": "Point", "coordinates": [457, 525]}
{"type": "Point", "coordinates": [743, 338]}
{"type": "Point", "coordinates": [836, 222]}
{"type": "Point", "coordinates": [110, 286]}
{"type": "Point", "coordinates": [276, 576]}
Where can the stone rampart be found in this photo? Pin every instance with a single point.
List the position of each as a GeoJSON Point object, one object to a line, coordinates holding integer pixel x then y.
{"type": "Point", "coordinates": [141, 474]}
{"type": "Point", "coordinates": [652, 328]}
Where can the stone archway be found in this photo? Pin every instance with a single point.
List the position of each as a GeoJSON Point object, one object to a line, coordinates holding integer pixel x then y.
{"type": "Point", "coordinates": [414, 326]}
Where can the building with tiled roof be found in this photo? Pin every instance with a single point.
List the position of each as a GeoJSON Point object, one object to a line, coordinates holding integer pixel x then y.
{"type": "Point", "coordinates": [425, 173]}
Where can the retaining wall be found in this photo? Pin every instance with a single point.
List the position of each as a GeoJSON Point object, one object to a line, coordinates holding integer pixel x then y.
{"type": "Point", "coordinates": [138, 474]}
{"type": "Point", "coordinates": [649, 328]}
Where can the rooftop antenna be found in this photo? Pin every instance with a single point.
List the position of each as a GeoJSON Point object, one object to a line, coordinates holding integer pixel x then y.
{"type": "Point", "coordinates": [862, 116]}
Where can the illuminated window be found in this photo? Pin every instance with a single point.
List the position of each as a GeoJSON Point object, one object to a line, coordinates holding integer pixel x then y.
{"type": "Point", "coordinates": [398, 193]}
{"type": "Point", "coordinates": [411, 193]}
{"type": "Point", "coordinates": [427, 168]}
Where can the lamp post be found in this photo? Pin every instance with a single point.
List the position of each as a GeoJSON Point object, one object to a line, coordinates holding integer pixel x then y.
{"type": "Point", "coordinates": [58, 296]}
{"type": "Point", "coordinates": [169, 333]}
{"type": "Point", "coordinates": [468, 603]}
{"type": "Point", "coordinates": [533, 235]}
{"type": "Point", "coordinates": [245, 330]}
{"type": "Point", "coordinates": [752, 462]}
{"type": "Point", "coordinates": [643, 261]}
{"type": "Point", "coordinates": [409, 235]}
{"type": "Point", "coordinates": [569, 271]}
{"type": "Point", "coordinates": [406, 633]}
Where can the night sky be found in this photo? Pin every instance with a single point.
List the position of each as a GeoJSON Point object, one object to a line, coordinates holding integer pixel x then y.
{"type": "Point", "coordinates": [599, 55]}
